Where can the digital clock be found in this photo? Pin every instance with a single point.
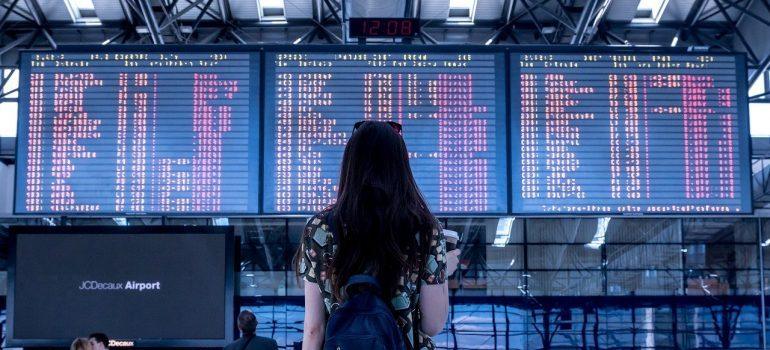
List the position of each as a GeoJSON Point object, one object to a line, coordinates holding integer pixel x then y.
{"type": "Point", "coordinates": [383, 27]}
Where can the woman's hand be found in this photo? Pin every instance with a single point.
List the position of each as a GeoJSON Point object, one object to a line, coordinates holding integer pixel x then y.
{"type": "Point", "coordinates": [452, 259]}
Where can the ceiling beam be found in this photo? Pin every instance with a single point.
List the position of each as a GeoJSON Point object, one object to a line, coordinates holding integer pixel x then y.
{"type": "Point", "coordinates": [585, 18]}
{"type": "Point", "coordinates": [601, 11]}
{"type": "Point", "coordinates": [150, 21]}
{"type": "Point", "coordinates": [224, 10]}
{"type": "Point", "coordinates": [178, 14]}
{"type": "Point", "coordinates": [40, 20]}
{"type": "Point", "coordinates": [13, 44]}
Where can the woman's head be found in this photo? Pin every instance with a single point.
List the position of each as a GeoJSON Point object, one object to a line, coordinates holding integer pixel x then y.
{"type": "Point", "coordinates": [81, 344]}
{"type": "Point", "coordinates": [376, 164]}
{"type": "Point", "coordinates": [379, 209]}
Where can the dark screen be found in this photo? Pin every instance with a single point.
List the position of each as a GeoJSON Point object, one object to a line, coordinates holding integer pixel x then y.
{"type": "Point", "coordinates": [129, 286]}
{"type": "Point", "coordinates": [630, 133]}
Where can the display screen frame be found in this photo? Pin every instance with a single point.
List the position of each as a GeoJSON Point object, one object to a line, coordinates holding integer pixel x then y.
{"type": "Point", "coordinates": [229, 277]}
{"type": "Point", "coordinates": [744, 137]}
{"type": "Point", "coordinates": [510, 113]}
{"type": "Point", "coordinates": [255, 80]}
{"type": "Point", "coordinates": [501, 83]}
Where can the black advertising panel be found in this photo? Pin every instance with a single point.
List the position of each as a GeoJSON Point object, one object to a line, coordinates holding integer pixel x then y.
{"type": "Point", "coordinates": [135, 284]}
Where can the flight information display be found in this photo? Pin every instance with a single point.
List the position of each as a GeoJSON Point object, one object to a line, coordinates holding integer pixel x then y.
{"type": "Point", "coordinates": [138, 132]}
{"type": "Point", "coordinates": [451, 106]}
{"type": "Point", "coordinates": [629, 133]}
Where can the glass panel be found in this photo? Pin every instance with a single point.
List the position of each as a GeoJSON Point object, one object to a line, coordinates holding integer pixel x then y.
{"type": "Point", "coordinates": [132, 221]}
{"type": "Point", "coordinates": [721, 256]}
{"type": "Point", "coordinates": [722, 282]}
{"type": "Point", "coordinates": [505, 283]}
{"type": "Point", "coordinates": [563, 257]}
{"type": "Point", "coordinates": [644, 231]}
{"type": "Point", "coordinates": [561, 328]}
{"type": "Point", "coordinates": [510, 257]}
{"type": "Point", "coordinates": [572, 283]}
{"type": "Point", "coordinates": [479, 231]}
{"type": "Point", "coordinates": [722, 326]}
{"type": "Point", "coordinates": [279, 321]}
{"type": "Point", "coordinates": [720, 230]}
{"type": "Point", "coordinates": [581, 230]}
{"type": "Point", "coordinates": [262, 283]}
{"type": "Point", "coordinates": [264, 259]}
{"type": "Point", "coordinates": [644, 256]}
{"type": "Point", "coordinates": [645, 282]}
{"type": "Point", "coordinates": [498, 273]}
{"type": "Point", "coordinates": [296, 229]}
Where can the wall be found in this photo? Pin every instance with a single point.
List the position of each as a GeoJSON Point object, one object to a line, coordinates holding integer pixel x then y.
{"type": "Point", "coordinates": [6, 189]}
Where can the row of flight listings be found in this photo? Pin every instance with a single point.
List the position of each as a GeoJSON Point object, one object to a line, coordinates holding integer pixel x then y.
{"type": "Point", "coordinates": [200, 132]}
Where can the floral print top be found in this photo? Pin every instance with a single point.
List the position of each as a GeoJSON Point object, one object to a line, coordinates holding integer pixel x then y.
{"type": "Point", "coordinates": [318, 247]}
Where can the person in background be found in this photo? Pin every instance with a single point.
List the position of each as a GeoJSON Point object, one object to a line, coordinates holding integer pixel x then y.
{"type": "Point", "coordinates": [81, 344]}
{"type": "Point", "coordinates": [380, 225]}
{"type": "Point", "coordinates": [99, 341]}
{"type": "Point", "coordinates": [247, 324]}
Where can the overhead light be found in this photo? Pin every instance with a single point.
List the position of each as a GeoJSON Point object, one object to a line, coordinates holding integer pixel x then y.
{"type": "Point", "coordinates": [82, 11]}
{"type": "Point", "coordinates": [272, 10]}
{"type": "Point", "coordinates": [503, 232]}
{"type": "Point", "coordinates": [120, 221]}
{"type": "Point", "coordinates": [675, 41]}
{"type": "Point", "coordinates": [221, 221]}
{"type": "Point", "coordinates": [766, 243]}
{"type": "Point", "coordinates": [549, 30]}
{"type": "Point", "coordinates": [601, 232]}
{"type": "Point", "coordinates": [649, 11]}
{"type": "Point", "coordinates": [461, 10]}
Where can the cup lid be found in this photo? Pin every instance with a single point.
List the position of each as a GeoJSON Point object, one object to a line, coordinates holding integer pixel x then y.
{"type": "Point", "coordinates": [450, 233]}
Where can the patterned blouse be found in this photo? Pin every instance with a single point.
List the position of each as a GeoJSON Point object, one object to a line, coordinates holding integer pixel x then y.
{"type": "Point", "coordinates": [318, 245]}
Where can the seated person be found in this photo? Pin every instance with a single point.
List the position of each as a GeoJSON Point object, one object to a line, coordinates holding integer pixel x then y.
{"type": "Point", "coordinates": [247, 323]}
{"type": "Point", "coordinates": [99, 341]}
{"type": "Point", "coordinates": [81, 344]}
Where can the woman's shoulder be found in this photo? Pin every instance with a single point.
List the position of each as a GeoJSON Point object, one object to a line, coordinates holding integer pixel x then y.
{"type": "Point", "coordinates": [318, 229]}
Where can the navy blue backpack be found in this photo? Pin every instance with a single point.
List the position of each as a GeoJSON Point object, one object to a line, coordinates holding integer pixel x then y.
{"type": "Point", "coordinates": [364, 321]}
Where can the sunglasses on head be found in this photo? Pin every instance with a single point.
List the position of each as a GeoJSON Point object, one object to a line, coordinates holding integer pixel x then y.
{"type": "Point", "coordinates": [396, 126]}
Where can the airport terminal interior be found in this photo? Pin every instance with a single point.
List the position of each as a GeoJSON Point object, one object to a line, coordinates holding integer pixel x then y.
{"type": "Point", "coordinates": [606, 164]}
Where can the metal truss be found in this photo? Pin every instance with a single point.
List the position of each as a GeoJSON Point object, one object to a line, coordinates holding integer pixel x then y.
{"type": "Point", "coordinates": [760, 179]}
{"type": "Point", "coordinates": [546, 22]}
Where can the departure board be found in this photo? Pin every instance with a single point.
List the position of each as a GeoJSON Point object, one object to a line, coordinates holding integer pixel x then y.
{"type": "Point", "coordinates": [136, 132]}
{"type": "Point", "coordinates": [451, 106]}
{"type": "Point", "coordinates": [629, 133]}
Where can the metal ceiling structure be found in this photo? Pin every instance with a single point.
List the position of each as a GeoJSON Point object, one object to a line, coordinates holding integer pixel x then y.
{"type": "Point", "coordinates": [718, 25]}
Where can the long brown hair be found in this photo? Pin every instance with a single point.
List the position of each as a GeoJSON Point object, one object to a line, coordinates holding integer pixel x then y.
{"type": "Point", "coordinates": [81, 344]}
{"type": "Point", "coordinates": [382, 223]}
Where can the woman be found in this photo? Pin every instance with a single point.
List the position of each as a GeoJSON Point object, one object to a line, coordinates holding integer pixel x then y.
{"type": "Point", "coordinates": [379, 225]}
{"type": "Point", "coordinates": [81, 344]}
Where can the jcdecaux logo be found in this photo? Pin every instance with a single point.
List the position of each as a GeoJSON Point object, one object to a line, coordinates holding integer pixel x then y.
{"type": "Point", "coordinates": [128, 285]}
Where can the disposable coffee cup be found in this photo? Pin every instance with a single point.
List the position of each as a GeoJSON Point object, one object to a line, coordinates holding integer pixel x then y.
{"type": "Point", "coordinates": [452, 237]}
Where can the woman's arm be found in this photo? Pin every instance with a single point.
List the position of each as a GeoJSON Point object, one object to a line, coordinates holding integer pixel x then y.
{"type": "Point", "coordinates": [315, 318]}
{"type": "Point", "coordinates": [434, 299]}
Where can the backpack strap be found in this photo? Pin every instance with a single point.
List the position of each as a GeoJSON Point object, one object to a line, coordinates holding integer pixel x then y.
{"type": "Point", "coordinates": [360, 279]}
